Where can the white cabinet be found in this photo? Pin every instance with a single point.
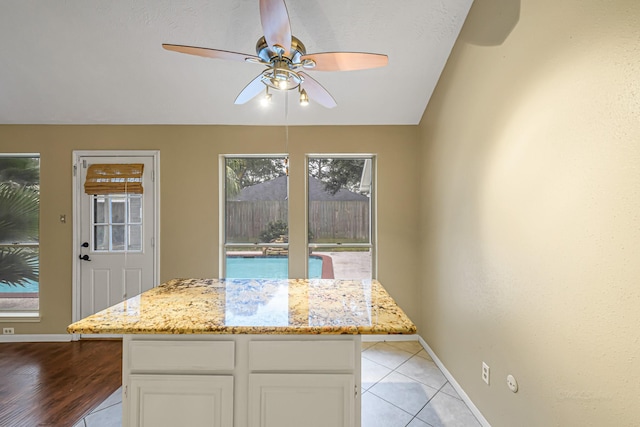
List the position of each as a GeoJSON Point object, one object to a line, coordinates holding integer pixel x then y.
{"type": "Point", "coordinates": [180, 400]}
{"type": "Point", "coordinates": [241, 380]}
{"type": "Point", "coordinates": [177, 382]}
{"type": "Point", "coordinates": [294, 400]}
{"type": "Point", "coordinates": [300, 382]}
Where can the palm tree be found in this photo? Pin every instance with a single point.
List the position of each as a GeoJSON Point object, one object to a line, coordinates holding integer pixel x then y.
{"type": "Point", "coordinates": [19, 218]}
{"type": "Point", "coordinates": [233, 183]}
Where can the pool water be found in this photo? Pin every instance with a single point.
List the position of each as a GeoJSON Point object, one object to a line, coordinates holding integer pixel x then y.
{"type": "Point", "coordinates": [30, 286]}
{"type": "Point", "coordinates": [239, 267]}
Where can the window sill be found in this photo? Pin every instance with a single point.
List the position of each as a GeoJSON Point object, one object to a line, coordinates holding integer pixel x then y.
{"type": "Point", "coordinates": [19, 316]}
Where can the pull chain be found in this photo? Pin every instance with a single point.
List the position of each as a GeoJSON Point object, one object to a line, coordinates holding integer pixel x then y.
{"type": "Point", "coordinates": [286, 132]}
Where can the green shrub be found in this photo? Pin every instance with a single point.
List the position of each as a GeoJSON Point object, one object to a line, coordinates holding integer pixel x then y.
{"type": "Point", "coordinates": [274, 230]}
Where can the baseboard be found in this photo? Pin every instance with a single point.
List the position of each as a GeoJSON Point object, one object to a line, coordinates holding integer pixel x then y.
{"type": "Point", "coordinates": [35, 338]}
{"type": "Point", "coordinates": [454, 384]}
{"type": "Point", "coordinates": [381, 338]}
{"type": "Point", "coordinates": [77, 337]}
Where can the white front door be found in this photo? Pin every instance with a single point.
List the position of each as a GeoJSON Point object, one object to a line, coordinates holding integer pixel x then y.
{"type": "Point", "coordinates": [115, 238]}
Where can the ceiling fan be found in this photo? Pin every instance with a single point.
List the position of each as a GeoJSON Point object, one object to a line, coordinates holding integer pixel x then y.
{"type": "Point", "coordinates": [285, 58]}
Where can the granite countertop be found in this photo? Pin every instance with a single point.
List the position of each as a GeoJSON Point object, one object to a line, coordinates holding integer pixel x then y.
{"type": "Point", "coordinates": [254, 306]}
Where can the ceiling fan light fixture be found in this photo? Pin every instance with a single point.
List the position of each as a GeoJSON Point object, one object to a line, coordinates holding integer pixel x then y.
{"type": "Point", "coordinates": [282, 81]}
{"type": "Point", "coordinates": [265, 101]}
{"type": "Point", "coordinates": [281, 78]}
{"type": "Point", "coordinates": [304, 98]}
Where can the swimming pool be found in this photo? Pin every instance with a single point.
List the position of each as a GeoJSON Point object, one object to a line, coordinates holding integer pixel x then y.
{"type": "Point", "coordinates": [262, 267]}
{"type": "Point", "coordinates": [29, 287]}
{"type": "Point", "coordinates": [238, 267]}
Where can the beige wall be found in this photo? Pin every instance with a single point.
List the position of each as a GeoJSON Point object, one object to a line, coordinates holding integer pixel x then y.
{"type": "Point", "coordinates": [531, 212]}
{"type": "Point", "coordinates": [189, 196]}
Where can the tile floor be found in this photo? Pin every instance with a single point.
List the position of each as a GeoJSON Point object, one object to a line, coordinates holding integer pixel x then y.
{"type": "Point", "coordinates": [402, 387]}
{"type": "Point", "coordinates": [108, 414]}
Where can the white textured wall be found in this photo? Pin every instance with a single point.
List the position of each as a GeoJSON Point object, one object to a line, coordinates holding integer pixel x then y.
{"type": "Point", "coordinates": [531, 212]}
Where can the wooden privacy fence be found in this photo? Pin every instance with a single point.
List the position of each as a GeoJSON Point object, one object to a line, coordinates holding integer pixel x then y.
{"type": "Point", "coordinates": [344, 219]}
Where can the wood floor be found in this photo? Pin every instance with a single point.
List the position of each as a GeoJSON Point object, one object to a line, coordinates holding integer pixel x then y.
{"type": "Point", "coordinates": [56, 384]}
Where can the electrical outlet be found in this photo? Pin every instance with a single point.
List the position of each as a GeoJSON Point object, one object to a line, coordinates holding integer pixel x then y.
{"type": "Point", "coordinates": [485, 373]}
{"type": "Point", "coordinates": [7, 331]}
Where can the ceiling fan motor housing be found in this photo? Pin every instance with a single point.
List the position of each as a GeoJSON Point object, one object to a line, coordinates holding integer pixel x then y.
{"type": "Point", "coordinates": [281, 73]}
{"type": "Point", "coordinates": [267, 53]}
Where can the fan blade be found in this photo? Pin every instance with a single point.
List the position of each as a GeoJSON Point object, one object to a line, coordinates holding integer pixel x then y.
{"type": "Point", "coordinates": [211, 53]}
{"type": "Point", "coordinates": [346, 61]}
{"type": "Point", "coordinates": [275, 24]}
{"type": "Point", "coordinates": [317, 92]}
{"type": "Point", "coordinates": [251, 90]}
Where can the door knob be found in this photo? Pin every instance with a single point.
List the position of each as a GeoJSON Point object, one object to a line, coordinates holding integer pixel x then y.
{"type": "Point", "coordinates": [85, 245]}
{"type": "Point", "coordinates": [85, 257]}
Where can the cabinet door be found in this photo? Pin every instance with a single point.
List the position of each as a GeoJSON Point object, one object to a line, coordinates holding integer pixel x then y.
{"type": "Point", "coordinates": [294, 400]}
{"type": "Point", "coordinates": [180, 400]}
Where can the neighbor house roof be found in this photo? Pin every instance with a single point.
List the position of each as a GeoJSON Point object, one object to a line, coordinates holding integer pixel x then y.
{"type": "Point", "coordinates": [276, 189]}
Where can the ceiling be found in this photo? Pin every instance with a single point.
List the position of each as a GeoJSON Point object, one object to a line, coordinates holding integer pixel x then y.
{"type": "Point", "coordinates": [101, 61]}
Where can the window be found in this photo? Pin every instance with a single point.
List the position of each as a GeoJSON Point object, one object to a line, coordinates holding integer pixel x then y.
{"type": "Point", "coordinates": [339, 210]}
{"type": "Point", "coordinates": [117, 222]}
{"type": "Point", "coordinates": [19, 232]}
{"type": "Point", "coordinates": [256, 237]}
{"type": "Point", "coordinates": [340, 216]}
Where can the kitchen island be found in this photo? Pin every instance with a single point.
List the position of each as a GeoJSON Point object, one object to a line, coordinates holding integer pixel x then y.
{"type": "Point", "coordinates": [246, 352]}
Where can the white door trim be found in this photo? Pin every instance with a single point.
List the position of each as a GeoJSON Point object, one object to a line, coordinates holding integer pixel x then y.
{"type": "Point", "coordinates": [76, 191]}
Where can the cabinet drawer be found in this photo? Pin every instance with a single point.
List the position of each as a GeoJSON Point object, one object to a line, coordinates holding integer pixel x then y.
{"type": "Point", "coordinates": [181, 356]}
{"type": "Point", "coordinates": [302, 356]}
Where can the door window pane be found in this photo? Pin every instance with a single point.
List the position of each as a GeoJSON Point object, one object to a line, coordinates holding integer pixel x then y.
{"type": "Point", "coordinates": [117, 237]}
{"type": "Point", "coordinates": [117, 222]}
{"type": "Point", "coordinates": [101, 237]}
{"type": "Point", "coordinates": [117, 210]}
{"type": "Point", "coordinates": [101, 210]}
{"type": "Point", "coordinates": [135, 209]}
{"type": "Point", "coordinates": [135, 238]}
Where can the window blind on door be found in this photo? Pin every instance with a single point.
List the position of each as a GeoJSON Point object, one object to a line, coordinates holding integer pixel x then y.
{"type": "Point", "coordinates": [114, 178]}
